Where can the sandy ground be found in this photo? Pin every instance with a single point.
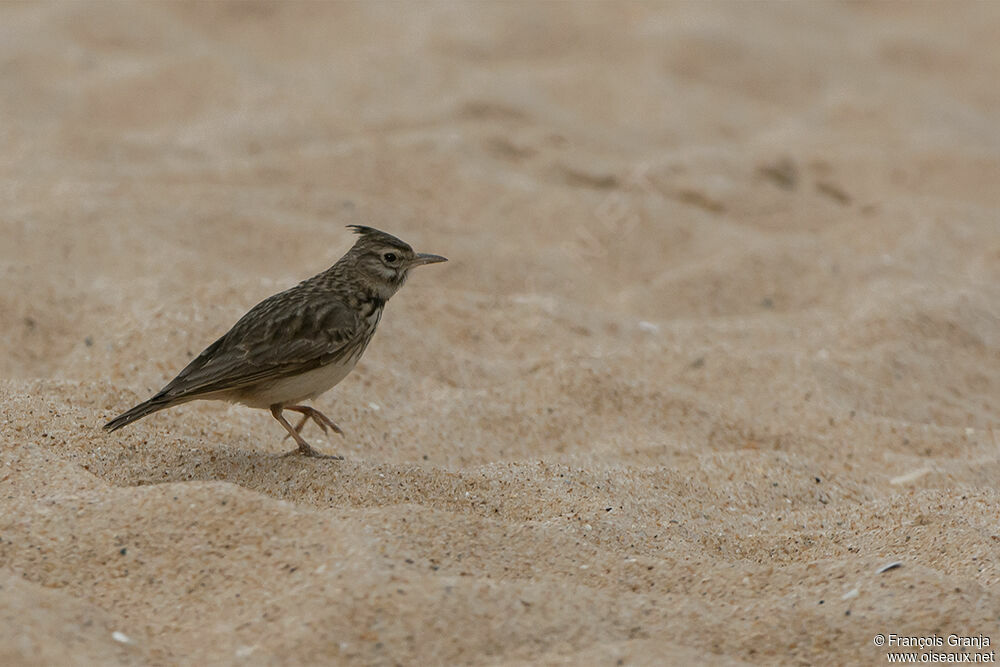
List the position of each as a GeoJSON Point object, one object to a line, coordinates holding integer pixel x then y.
{"type": "Point", "coordinates": [718, 340]}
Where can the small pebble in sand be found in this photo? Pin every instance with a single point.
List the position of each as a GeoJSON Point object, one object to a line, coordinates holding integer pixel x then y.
{"type": "Point", "coordinates": [912, 476]}
{"type": "Point", "coordinates": [121, 637]}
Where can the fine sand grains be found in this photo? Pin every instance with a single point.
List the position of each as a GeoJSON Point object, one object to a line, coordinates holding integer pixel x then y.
{"type": "Point", "coordinates": [712, 374]}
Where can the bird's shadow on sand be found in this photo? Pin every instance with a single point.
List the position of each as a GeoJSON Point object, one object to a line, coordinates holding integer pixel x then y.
{"type": "Point", "coordinates": [320, 482]}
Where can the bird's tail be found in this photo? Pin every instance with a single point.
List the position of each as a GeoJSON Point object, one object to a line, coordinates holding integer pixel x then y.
{"type": "Point", "coordinates": [154, 404]}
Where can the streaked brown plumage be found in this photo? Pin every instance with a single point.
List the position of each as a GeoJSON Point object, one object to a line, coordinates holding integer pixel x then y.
{"type": "Point", "coordinates": [299, 343]}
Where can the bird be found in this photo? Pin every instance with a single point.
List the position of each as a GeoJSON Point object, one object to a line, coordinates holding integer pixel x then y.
{"type": "Point", "coordinates": [299, 343]}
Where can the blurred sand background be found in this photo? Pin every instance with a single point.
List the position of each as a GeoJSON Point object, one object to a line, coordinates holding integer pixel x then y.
{"type": "Point", "coordinates": [718, 338]}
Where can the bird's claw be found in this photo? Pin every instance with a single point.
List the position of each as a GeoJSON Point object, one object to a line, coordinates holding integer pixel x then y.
{"type": "Point", "coordinates": [311, 453]}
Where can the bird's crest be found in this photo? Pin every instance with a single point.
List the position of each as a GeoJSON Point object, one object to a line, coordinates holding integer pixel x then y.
{"type": "Point", "coordinates": [378, 236]}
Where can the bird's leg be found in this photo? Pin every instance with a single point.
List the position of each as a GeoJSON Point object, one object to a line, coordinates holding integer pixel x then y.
{"type": "Point", "coordinates": [312, 413]}
{"type": "Point", "coordinates": [304, 447]}
{"type": "Point", "coordinates": [298, 427]}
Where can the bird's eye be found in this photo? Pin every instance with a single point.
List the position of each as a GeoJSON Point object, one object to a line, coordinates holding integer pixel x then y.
{"type": "Point", "coordinates": [390, 257]}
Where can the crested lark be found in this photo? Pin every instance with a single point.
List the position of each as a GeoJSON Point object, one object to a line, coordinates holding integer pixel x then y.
{"type": "Point", "coordinates": [298, 343]}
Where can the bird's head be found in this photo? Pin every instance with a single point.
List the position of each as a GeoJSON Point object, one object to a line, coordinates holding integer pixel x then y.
{"type": "Point", "coordinates": [382, 260]}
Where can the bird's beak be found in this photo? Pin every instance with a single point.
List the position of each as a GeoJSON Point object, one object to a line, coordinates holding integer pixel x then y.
{"type": "Point", "coordinates": [424, 258]}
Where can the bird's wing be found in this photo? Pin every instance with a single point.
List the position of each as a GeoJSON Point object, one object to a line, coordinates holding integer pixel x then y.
{"type": "Point", "coordinates": [286, 334]}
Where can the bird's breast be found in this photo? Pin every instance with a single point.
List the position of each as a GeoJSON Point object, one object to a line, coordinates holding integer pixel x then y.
{"type": "Point", "coordinates": [369, 322]}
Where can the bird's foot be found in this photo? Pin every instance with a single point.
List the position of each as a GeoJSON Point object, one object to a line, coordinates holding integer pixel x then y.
{"type": "Point", "coordinates": [305, 449]}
